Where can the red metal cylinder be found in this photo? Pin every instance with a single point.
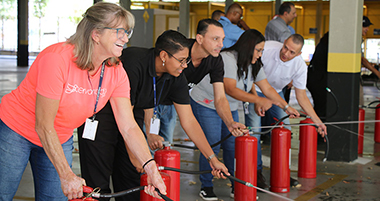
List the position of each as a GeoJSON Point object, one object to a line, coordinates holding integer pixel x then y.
{"type": "Point", "coordinates": [144, 182]}
{"type": "Point", "coordinates": [245, 167]}
{"type": "Point", "coordinates": [280, 160]}
{"type": "Point", "coordinates": [361, 130]}
{"type": "Point", "coordinates": [307, 156]}
{"type": "Point", "coordinates": [170, 158]}
{"type": "Point", "coordinates": [377, 124]}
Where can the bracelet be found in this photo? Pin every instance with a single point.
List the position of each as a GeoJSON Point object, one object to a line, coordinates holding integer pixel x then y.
{"type": "Point", "coordinates": [146, 163]}
{"type": "Point", "coordinates": [210, 157]}
{"type": "Point", "coordinates": [286, 107]}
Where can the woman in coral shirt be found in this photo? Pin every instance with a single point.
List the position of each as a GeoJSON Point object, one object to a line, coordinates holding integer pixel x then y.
{"type": "Point", "coordinates": [68, 83]}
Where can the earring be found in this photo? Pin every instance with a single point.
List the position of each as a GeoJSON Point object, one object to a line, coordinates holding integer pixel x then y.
{"type": "Point", "coordinates": [163, 63]}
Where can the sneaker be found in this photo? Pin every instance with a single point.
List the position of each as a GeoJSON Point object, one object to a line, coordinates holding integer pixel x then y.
{"type": "Point", "coordinates": [207, 193]}
{"type": "Point", "coordinates": [293, 182]}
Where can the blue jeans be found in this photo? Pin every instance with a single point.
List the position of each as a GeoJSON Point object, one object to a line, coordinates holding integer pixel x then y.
{"type": "Point", "coordinates": [215, 130]}
{"type": "Point", "coordinates": [15, 152]}
{"type": "Point", "coordinates": [253, 120]}
{"type": "Point", "coordinates": [167, 116]}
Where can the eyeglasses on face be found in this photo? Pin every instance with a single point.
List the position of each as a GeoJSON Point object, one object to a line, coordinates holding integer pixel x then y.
{"type": "Point", "coordinates": [120, 32]}
{"type": "Point", "coordinates": [183, 61]}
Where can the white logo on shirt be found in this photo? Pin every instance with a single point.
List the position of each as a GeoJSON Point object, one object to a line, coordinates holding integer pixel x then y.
{"type": "Point", "coordinates": [80, 90]}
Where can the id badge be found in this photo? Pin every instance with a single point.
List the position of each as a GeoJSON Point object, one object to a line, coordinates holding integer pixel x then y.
{"type": "Point", "coordinates": [90, 129]}
{"type": "Point", "coordinates": [246, 110]}
{"type": "Point", "coordinates": [154, 125]}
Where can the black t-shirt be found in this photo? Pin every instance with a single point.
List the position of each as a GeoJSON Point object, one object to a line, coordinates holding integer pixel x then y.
{"type": "Point", "coordinates": [317, 71]}
{"type": "Point", "coordinates": [209, 65]}
{"type": "Point", "coordinates": [140, 66]}
{"type": "Point", "coordinates": [139, 63]}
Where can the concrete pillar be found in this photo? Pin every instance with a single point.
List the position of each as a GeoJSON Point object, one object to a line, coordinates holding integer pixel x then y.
{"type": "Point", "coordinates": [228, 3]}
{"type": "Point", "coordinates": [23, 34]}
{"type": "Point", "coordinates": [184, 17]}
{"type": "Point", "coordinates": [277, 6]}
{"type": "Point", "coordinates": [318, 21]}
{"type": "Point", "coordinates": [344, 64]}
{"type": "Point", "coordinates": [125, 4]}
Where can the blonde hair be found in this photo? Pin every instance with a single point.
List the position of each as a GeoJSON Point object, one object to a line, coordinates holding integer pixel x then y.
{"type": "Point", "coordinates": [98, 16]}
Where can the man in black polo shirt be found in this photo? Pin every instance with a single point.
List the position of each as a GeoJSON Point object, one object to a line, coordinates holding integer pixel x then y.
{"type": "Point", "coordinates": [155, 75]}
{"type": "Point", "coordinates": [205, 60]}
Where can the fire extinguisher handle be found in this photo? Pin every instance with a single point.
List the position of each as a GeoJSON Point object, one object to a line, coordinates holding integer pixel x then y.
{"type": "Point", "coordinates": [166, 198]}
{"type": "Point", "coordinates": [87, 189]}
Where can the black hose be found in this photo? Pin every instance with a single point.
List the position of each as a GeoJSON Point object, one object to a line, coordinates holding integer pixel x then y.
{"type": "Point", "coordinates": [228, 176]}
{"type": "Point", "coordinates": [229, 135]}
{"type": "Point", "coordinates": [336, 103]}
{"type": "Point", "coordinates": [327, 148]}
{"type": "Point", "coordinates": [183, 171]}
{"type": "Point", "coordinates": [128, 191]}
{"type": "Point", "coordinates": [204, 172]}
{"type": "Point", "coordinates": [119, 194]}
{"type": "Point", "coordinates": [262, 133]}
{"type": "Point", "coordinates": [368, 106]}
{"type": "Point", "coordinates": [274, 126]}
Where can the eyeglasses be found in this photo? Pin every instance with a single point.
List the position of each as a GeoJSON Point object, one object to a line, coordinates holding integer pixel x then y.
{"type": "Point", "coordinates": [183, 61]}
{"type": "Point", "coordinates": [120, 32]}
{"type": "Point", "coordinates": [259, 50]}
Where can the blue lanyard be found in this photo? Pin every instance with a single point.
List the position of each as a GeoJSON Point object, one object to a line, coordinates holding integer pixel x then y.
{"type": "Point", "coordinates": [155, 100]}
{"type": "Point", "coordinates": [99, 88]}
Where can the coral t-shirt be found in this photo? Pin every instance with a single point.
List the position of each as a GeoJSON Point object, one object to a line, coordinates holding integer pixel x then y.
{"type": "Point", "coordinates": [55, 75]}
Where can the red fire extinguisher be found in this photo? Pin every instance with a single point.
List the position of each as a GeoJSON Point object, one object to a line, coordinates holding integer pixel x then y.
{"type": "Point", "coordinates": [377, 124]}
{"type": "Point", "coordinates": [361, 130]}
{"type": "Point", "coordinates": [280, 160]}
{"type": "Point", "coordinates": [307, 156]}
{"type": "Point", "coordinates": [86, 190]}
{"type": "Point", "coordinates": [245, 167]}
{"type": "Point", "coordinates": [170, 158]}
{"type": "Point", "coordinates": [144, 182]}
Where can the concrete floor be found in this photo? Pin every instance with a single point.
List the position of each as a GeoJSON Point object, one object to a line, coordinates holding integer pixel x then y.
{"type": "Point", "coordinates": [356, 180]}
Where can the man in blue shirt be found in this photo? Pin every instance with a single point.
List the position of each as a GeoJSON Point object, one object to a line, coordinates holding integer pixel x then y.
{"type": "Point", "coordinates": [233, 24]}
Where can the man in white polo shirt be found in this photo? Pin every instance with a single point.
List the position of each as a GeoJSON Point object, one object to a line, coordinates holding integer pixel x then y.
{"type": "Point", "coordinates": [282, 65]}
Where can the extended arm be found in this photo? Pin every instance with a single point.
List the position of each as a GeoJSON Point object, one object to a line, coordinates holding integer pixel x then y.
{"type": "Point", "coordinates": [46, 110]}
{"type": "Point", "coordinates": [370, 67]}
{"type": "Point", "coordinates": [304, 102]}
{"type": "Point", "coordinates": [223, 109]}
{"type": "Point", "coordinates": [261, 104]}
{"type": "Point", "coordinates": [135, 140]}
{"type": "Point", "coordinates": [192, 128]}
{"type": "Point", "coordinates": [272, 94]}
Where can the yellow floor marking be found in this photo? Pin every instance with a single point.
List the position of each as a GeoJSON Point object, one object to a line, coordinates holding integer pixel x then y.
{"type": "Point", "coordinates": [23, 198]}
{"type": "Point", "coordinates": [322, 187]}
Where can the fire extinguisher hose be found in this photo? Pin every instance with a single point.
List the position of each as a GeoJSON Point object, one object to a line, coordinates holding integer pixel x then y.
{"type": "Point", "coordinates": [371, 107]}
{"type": "Point", "coordinates": [125, 192]}
{"type": "Point", "coordinates": [229, 135]}
{"type": "Point", "coordinates": [261, 133]}
{"type": "Point", "coordinates": [228, 176]}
